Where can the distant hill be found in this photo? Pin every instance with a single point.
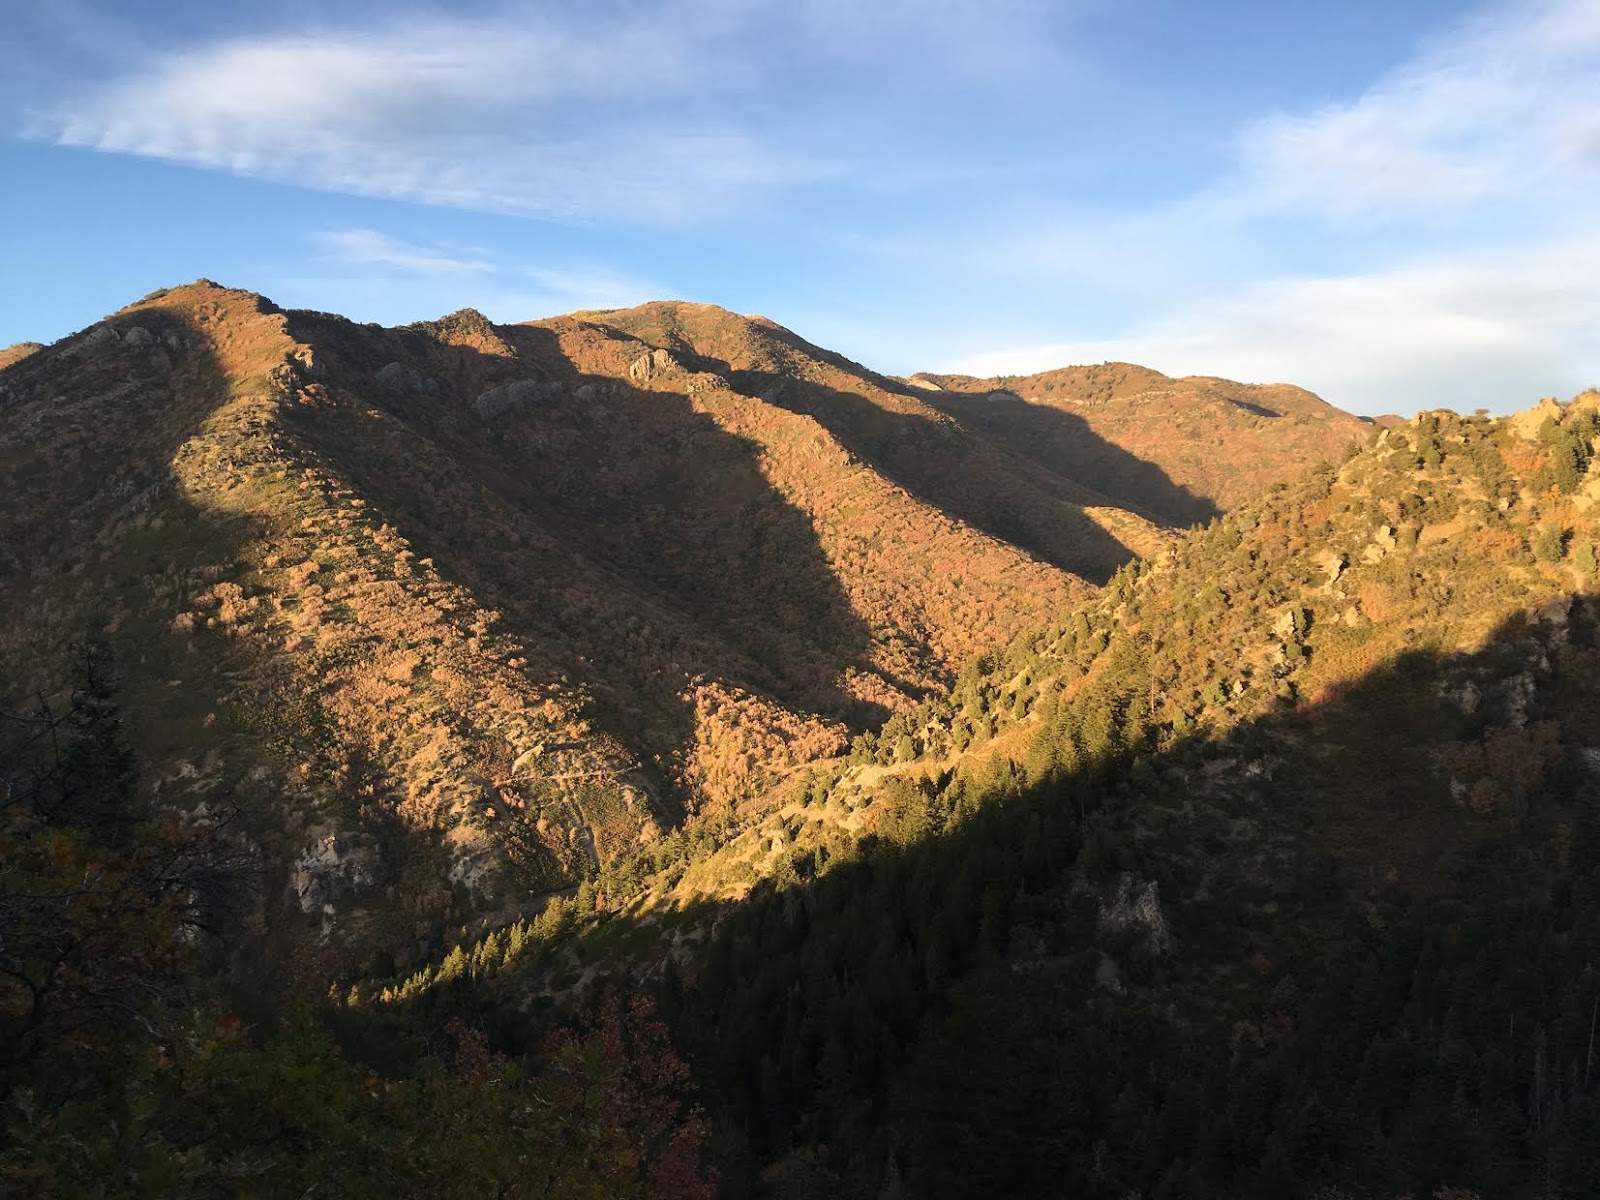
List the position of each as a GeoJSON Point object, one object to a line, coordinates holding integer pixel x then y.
{"type": "Point", "coordinates": [1188, 448]}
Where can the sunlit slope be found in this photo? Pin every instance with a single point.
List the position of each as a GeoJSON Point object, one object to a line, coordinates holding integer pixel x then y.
{"type": "Point", "coordinates": [459, 613]}
{"type": "Point", "coordinates": [1445, 534]}
{"type": "Point", "coordinates": [1181, 449]}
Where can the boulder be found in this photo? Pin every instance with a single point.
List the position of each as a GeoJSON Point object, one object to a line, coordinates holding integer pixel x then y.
{"type": "Point", "coordinates": [497, 400]}
{"type": "Point", "coordinates": [397, 377]}
{"type": "Point", "coordinates": [651, 364]}
{"type": "Point", "coordinates": [1135, 906]}
{"type": "Point", "coordinates": [1333, 563]}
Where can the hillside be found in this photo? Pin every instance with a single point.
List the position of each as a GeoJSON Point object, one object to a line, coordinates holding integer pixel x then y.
{"type": "Point", "coordinates": [893, 748]}
{"type": "Point", "coordinates": [1270, 871]}
{"type": "Point", "coordinates": [462, 612]}
{"type": "Point", "coordinates": [1189, 448]}
{"type": "Point", "coordinates": [15, 354]}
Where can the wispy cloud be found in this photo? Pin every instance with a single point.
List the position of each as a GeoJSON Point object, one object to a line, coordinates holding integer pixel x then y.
{"type": "Point", "coordinates": [384, 277]}
{"type": "Point", "coordinates": [1492, 329]}
{"type": "Point", "coordinates": [640, 111]}
{"type": "Point", "coordinates": [591, 286]}
{"type": "Point", "coordinates": [1507, 104]}
{"type": "Point", "coordinates": [906, 172]}
{"type": "Point", "coordinates": [1453, 197]}
{"type": "Point", "coordinates": [470, 116]}
{"type": "Point", "coordinates": [368, 247]}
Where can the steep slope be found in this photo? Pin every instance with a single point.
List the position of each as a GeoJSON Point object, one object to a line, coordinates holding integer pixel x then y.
{"type": "Point", "coordinates": [1271, 869]}
{"type": "Point", "coordinates": [282, 648]}
{"type": "Point", "coordinates": [1182, 450]}
{"type": "Point", "coordinates": [459, 613]}
{"type": "Point", "coordinates": [1059, 515]}
{"type": "Point", "coordinates": [15, 354]}
{"type": "Point", "coordinates": [735, 585]}
{"type": "Point", "coordinates": [1266, 870]}
{"type": "Point", "coordinates": [1443, 534]}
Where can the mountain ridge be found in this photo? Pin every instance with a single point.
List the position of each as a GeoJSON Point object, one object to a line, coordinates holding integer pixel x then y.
{"type": "Point", "coordinates": [666, 555]}
{"type": "Point", "coordinates": [970, 825]}
{"type": "Point", "coordinates": [1215, 444]}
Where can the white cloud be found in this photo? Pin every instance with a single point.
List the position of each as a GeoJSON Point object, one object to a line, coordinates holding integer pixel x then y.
{"type": "Point", "coordinates": [1433, 241]}
{"type": "Point", "coordinates": [384, 278]}
{"type": "Point", "coordinates": [635, 109]}
{"type": "Point", "coordinates": [368, 247]}
{"type": "Point", "coordinates": [541, 116]}
{"type": "Point", "coordinates": [565, 289]}
{"type": "Point", "coordinates": [1495, 329]}
{"type": "Point", "coordinates": [1429, 238]}
{"type": "Point", "coordinates": [1503, 106]}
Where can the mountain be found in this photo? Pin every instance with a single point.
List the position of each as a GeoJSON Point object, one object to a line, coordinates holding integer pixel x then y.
{"type": "Point", "coordinates": [493, 604]}
{"type": "Point", "coordinates": [1191, 447]}
{"type": "Point", "coordinates": [643, 753]}
{"type": "Point", "coordinates": [1269, 871]}
{"type": "Point", "coordinates": [15, 354]}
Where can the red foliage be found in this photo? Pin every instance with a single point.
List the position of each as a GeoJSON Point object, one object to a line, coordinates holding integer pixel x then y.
{"type": "Point", "coordinates": [644, 1093]}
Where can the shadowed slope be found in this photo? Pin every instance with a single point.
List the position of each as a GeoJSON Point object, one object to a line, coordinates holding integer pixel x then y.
{"type": "Point", "coordinates": [501, 589]}
{"type": "Point", "coordinates": [1059, 518]}
{"type": "Point", "coordinates": [283, 647]}
{"type": "Point", "coordinates": [1272, 870]}
{"type": "Point", "coordinates": [1181, 449]}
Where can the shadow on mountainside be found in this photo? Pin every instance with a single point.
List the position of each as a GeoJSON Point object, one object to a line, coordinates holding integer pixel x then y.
{"type": "Point", "coordinates": [1240, 965]}
{"type": "Point", "coordinates": [103, 438]}
{"type": "Point", "coordinates": [1243, 965]}
{"type": "Point", "coordinates": [1059, 441]}
{"type": "Point", "coordinates": [1065, 443]}
{"type": "Point", "coordinates": [945, 467]}
{"type": "Point", "coordinates": [617, 528]}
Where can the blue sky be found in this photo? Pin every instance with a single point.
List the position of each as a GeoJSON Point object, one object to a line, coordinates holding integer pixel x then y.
{"type": "Point", "coordinates": [1392, 204]}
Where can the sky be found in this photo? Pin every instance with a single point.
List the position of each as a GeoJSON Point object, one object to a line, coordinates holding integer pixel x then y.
{"type": "Point", "coordinates": [1393, 204]}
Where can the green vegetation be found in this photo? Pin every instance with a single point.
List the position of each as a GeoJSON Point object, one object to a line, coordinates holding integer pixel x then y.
{"type": "Point", "coordinates": [126, 1073]}
{"type": "Point", "coordinates": [482, 746]}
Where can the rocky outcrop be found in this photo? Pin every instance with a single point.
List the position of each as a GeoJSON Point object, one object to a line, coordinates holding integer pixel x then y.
{"type": "Point", "coordinates": [653, 364]}
{"type": "Point", "coordinates": [101, 337]}
{"type": "Point", "coordinates": [1529, 421]}
{"type": "Point", "coordinates": [499, 400]}
{"type": "Point", "coordinates": [331, 867]}
{"type": "Point", "coordinates": [1134, 906]}
{"type": "Point", "coordinates": [397, 377]}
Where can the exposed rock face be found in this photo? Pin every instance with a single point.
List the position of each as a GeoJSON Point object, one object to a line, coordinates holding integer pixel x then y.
{"type": "Point", "coordinates": [1529, 421]}
{"type": "Point", "coordinates": [1556, 612]}
{"type": "Point", "coordinates": [499, 400]}
{"type": "Point", "coordinates": [1382, 545]}
{"type": "Point", "coordinates": [138, 337]}
{"type": "Point", "coordinates": [1135, 906]}
{"type": "Point", "coordinates": [1284, 628]}
{"type": "Point", "coordinates": [652, 364]}
{"type": "Point", "coordinates": [397, 377]}
{"type": "Point", "coordinates": [1467, 697]}
{"type": "Point", "coordinates": [331, 867]}
{"type": "Point", "coordinates": [305, 358]}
